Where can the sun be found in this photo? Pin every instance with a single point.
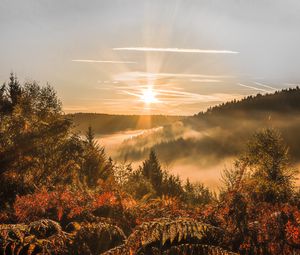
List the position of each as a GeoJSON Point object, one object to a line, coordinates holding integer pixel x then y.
{"type": "Point", "coordinates": [149, 96]}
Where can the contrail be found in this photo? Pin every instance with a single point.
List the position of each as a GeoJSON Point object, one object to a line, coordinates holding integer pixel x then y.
{"type": "Point", "coordinates": [103, 61]}
{"type": "Point", "coordinates": [263, 85]}
{"type": "Point", "coordinates": [250, 87]}
{"type": "Point", "coordinates": [176, 50]}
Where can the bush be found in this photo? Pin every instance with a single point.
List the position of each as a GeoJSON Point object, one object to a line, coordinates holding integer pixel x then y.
{"type": "Point", "coordinates": [62, 204]}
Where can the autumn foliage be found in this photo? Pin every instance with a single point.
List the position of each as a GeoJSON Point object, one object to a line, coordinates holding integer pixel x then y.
{"type": "Point", "coordinates": [61, 194]}
{"type": "Point", "coordinates": [60, 204]}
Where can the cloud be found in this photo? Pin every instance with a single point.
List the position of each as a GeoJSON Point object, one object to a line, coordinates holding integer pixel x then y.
{"type": "Point", "coordinates": [264, 85]}
{"type": "Point", "coordinates": [173, 96]}
{"type": "Point", "coordinates": [167, 92]}
{"type": "Point", "coordinates": [129, 76]}
{"type": "Point", "coordinates": [205, 80]}
{"type": "Point", "coordinates": [251, 87]}
{"type": "Point", "coordinates": [176, 50]}
{"type": "Point", "coordinates": [74, 108]}
{"type": "Point", "coordinates": [103, 61]}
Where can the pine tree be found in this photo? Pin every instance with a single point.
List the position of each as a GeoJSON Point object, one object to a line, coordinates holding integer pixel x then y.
{"type": "Point", "coordinates": [171, 185]}
{"type": "Point", "coordinates": [90, 136]}
{"type": "Point", "coordinates": [152, 171]}
{"type": "Point", "coordinates": [14, 89]}
{"type": "Point", "coordinates": [3, 101]}
{"type": "Point", "coordinates": [196, 193]}
{"type": "Point", "coordinates": [95, 165]}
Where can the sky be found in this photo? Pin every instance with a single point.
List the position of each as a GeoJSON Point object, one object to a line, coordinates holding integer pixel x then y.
{"type": "Point", "coordinates": [151, 56]}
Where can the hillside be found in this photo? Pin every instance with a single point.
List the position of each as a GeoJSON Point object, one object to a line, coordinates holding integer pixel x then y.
{"type": "Point", "coordinates": [215, 134]}
{"type": "Point", "coordinates": [280, 101]}
{"type": "Point", "coordinates": [107, 123]}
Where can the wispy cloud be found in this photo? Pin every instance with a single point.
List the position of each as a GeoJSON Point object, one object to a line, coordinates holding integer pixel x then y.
{"type": "Point", "coordinates": [127, 76]}
{"type": "Point", "coordinates": [264, 85]}
{"type": "Point", "coordinates": [252, 87]}
{"type": "Point", "coordinates": [170, 95]}
{"type": "Point", "coordinates": [103, 61]}
{"type": "Point", "coordinates": [167, 100]}
{"type": "Point", "coordinates": [176, 50]}
{"type": "Point", "coordinates": [74, 108]}
{"type": "Point", "coordinates": [167, 88]}
{"type": "Point", "coordinates": [205, 80]}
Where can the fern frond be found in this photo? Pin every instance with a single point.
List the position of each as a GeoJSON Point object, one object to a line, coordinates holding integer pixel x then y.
{"type": "Point", "coordinates": [43, 236]}
{"type": "Point", "coordinates": [119, 250]}
{"type": "Point", "coordinates": [94, 238]}
{"type": "Point", "coordinates": [164, 231]}
{"type": "Point", "coordinates": [44, 228]}
{"type": "Point", "coordinates": [196, 249]}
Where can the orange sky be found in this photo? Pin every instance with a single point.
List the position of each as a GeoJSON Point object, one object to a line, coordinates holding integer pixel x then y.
{"type": "Point", "coordinates": [151, 56]}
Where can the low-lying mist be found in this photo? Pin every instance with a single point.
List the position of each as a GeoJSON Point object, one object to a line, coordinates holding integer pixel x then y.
{"type": "Point", "coordinates": [199, 148]}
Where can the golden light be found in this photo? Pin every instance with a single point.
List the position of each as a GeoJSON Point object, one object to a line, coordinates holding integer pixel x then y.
{"type": "Point", "coordinates": [149, 96]}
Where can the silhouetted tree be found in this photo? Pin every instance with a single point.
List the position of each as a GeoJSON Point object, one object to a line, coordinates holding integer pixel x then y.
{"type": "Point", "coordinates": [152, 171]}
{"type": "Point", "coordinates": [171, 185]}
{"type": "Point", "coordinates": [14, 89]}
{"type": "Point", "coordinates": [90, 136]}
{"type": "Point", "coordinates": [95, 164]}
{"type": "Point", "coordinates": [34, 136]}
{"type": "Point", "coordinates": [196, 194]}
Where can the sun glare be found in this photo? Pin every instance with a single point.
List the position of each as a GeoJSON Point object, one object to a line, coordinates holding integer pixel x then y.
{"type": "Point", "coordinates": [148, 96]}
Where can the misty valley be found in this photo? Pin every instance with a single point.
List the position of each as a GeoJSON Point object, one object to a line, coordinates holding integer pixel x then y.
{"type": "Point", "coordinates": [199, 146]}
{"type": "Point", "coordinates": [149, 127]}
{"type": "Point", "coordinates": [88, 183]}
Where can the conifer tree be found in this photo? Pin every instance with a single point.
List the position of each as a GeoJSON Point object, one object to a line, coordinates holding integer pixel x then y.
{"type": "Point", "coordinates": [14, 89]}
{"type": "Point", "coordinates": [95, 165]}
{"type": "Point", "coordinates": [90, 136]}
{"type": "Point", "coordinates": [267, 158]}
{"type": "Point", "coordinates": [152, 171]}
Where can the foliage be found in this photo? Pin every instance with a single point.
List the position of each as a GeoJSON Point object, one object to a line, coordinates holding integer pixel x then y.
{"type": "Point", "coordinates": [151, 181]}
{"type": "Point", "coordinates": [166, 236]}
{"type": "Point", "coordinates": [268, 160]}
{"type": "Point", "coordinates": [47, 171]}
{"type": "Point", "coordinates": [261, 178]}
{"type": "Point", "coordinates": [169, 207]}
{"type": "Point", "coordinates": [95, 238]}
{"type": "Point", "coordinates": [166, 230]}
{"type": "Point", "coordinates": [171, 185]}
{"type": "Point", "coordinates": [119, 250]}
{"type": "Point", "coordinates": [46, 237]}
{"type": "Point", "coordinates": [196, 249]}
{"type": "Point", "coordinates": [139, 187]}
{"type": "Point", "coordinates": [152, 171]}
{"type": "Point", "coordinates": [62, 204]}
{"type": "Point", "coordinates": [95, 165]}
{"type": "Point", "coordinates": [39, 237]}
{"type": "Point", "coordinates": [196, 194]}
{"type": "Point", "coordinates": [37, 146]}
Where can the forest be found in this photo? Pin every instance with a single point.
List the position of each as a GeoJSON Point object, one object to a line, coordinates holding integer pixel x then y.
{"type": "Point", "coordinates": [108, 123]}
{"type": "Point", "coordinates": [61, 193]}
{"type": "Point", "coordinates": [220, 132]}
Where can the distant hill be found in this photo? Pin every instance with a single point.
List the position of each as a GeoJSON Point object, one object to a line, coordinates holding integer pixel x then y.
{"type": "Point", "coordinates": [280, 101]}
{"type": "Point", "coordinates": [107, 123]}
{"type": "Point", "coordinates": [215, 134]}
